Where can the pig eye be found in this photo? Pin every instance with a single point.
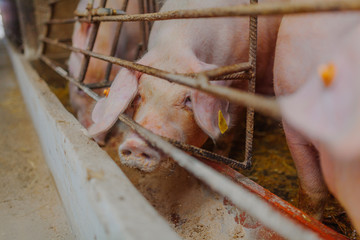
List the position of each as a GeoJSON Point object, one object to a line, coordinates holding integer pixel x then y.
{"type": "Point", "coordinates": [187, 102]}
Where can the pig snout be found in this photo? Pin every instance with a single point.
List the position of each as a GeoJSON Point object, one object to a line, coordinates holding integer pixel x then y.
{"type": "Point", "coordinates": [134, 152]}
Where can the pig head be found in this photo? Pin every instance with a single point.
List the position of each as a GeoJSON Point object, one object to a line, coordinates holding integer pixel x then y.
{"type": "Point", "coordinates": [127, 45]}
{"type": "Point", "coordinates": [320, 105]}
{"type": "Point", "coordinates": [167, 109]}
{"type": "Point", "coordinates": [172, 110]}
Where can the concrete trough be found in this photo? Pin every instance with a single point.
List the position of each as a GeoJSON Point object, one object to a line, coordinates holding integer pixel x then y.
{"type": "Point", "coordinates": [100, 201]}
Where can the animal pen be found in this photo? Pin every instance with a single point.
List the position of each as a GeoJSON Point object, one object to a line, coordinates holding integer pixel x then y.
{"type": "Point", "coordinates": [99, 199]}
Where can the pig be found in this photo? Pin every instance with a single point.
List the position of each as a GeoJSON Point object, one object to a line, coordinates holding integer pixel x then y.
{"type": "Point", "coordinates": [317, 82]}
{"type": "Point", "coordinates": [126, 49]}
{"type": "Point", "coordinates": [171, 110]}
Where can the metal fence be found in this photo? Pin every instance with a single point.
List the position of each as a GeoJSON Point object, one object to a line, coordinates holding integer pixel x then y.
{"type": "Point", "coordinates": [245, 71]}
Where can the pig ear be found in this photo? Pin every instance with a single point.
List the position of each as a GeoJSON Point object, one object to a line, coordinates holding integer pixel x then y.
{"type": "Point", "coordinates": [206, 111]}
{"type": "Point", "coordinates": [329, 114]}
{"type": "Point", "coordinates": [106, 111]}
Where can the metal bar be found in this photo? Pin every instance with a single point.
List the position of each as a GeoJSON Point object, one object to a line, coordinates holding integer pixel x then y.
{"type": "Point", "coordinates": [143, 27]}
{"type": "Point", "coordinates": [235, 76]}
{"type": "Point", "coordinates": [265, 105]}
{"type": "Point", "coordinates": [47, 27]}
{"type": "Point", "coordinates": [104, 84]}
{"type": "Point", "coordinates": [62, 21]}
{"type": "Point", "coordinates": [91, 43]}
{"type": "Point", "coordinates": [115, 43]}
{"type": "Point", "coordinates": [202, 153]}
{"type": "Point", "coordinates": [225, 70]}
{"type": "Point", "coordinates": [249, 135]}
{"type": "Point", "coordinates": [52, 2]}
{"type": "Point", "coordinates": [243, 10]}
{"type": "Point", "coordinates": [59, 70]}
{"type": "Point", "coordinates": [292, 212]}
{"type": "Point", "coordinates": [234, 11]}
{"type": "Point", "coordinates": [242, 76]}
{"type": "Point", "coordinates": [149, 9]}
{"type": "Point", "coordinates": [100, 11]}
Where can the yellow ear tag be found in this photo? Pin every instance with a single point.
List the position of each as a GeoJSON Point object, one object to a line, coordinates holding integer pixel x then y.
{"type": "Point", "coordinates": [106, 92]}
{"type": "Point", "coordinates": [327, 73]}
{"type": "Point", "coordinates": [222, 122]}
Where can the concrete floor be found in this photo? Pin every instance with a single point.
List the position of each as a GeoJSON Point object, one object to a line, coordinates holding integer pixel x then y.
{"type": "Point", "coordinates": [30, 207]}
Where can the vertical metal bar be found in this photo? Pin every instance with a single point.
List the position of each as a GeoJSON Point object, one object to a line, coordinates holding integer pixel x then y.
{"type": "Point", "coordinates": [47, 27]}
{"type": "Point", "coordinates": [143, 26]}
{"type": "Point", "coordinates": [91, 43]}
{"type": "Point", "coordinates": [251, 88]}
{"type": "Point", "coordinates": [29, 34]}
{"type": "Point", "coordinates": [154, 6]}
{"type": "Point", "coordinates": [115, 43]}
{"type": "Point", "coordinates": [149, 9]}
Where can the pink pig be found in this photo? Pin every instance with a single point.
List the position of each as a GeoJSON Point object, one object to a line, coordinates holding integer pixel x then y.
{"type": "Point", "coordinates": [172, 110]}
{"type": "Point", "coordinates": [127, 46]}
{"type": "Point", "coordinates": [317, 75]}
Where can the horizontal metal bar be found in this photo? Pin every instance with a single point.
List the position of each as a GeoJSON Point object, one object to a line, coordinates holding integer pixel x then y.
{"type": "Point", "coordinates": [265, 105]}
{"type": "Point", "coordinates": [97, 85]}
{"type": "Point", "coordinates": [237, 194]}
{"type": "Point", "coordinates": [101, 11]}
{"type": "Point", "coordinates": [279, 8]}
{"type": "Point", "coordinates": [221, 71]}
{"type": "Point", "coordinates": [62, 21]}
{"type": "Point", "coordinates": [242, 76]}
{"type": "Point", "coordinates": [202, 153]}
{"type": "Point", "coordinates": [236, 76]}
{"type": "Point", "coordinates": [50, 2]}
{"type": "Point", "coordinates": [65, 75]}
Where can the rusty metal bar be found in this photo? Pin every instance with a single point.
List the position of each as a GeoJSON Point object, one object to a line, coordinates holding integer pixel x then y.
{"type": "Point", "coordinates": [199, 152]}
{"type": "Point", "coordinates": [225, 70]}
{"type": "Point", "coordinates": [234, 11]}
{"type": "Point", "coordinates": [104, 84]}
{"type": "Point", "coordinates": [52, 2]}
{"type": "Point", "coordinates": [91, 43]}
{"type": "Point", "coordinates": [143, 27]}
{"type": "Point", "coordinates": [59, 70]}
{"type": "Point", "coordinates": [235, 76]}
{"type": "Point", "coordinates": [149, 9]}
{"type": "Point", "coordinates": [249, 135]}
{"type": "Point", "coordinates": [243, 10]}
{"type": "Point", "coordinates": [62, 21]}
{"type": "Point", "coordinates": [100, 11]}
{"type": "Point", "coordinates": [241, 76]}
{"type": "Point", "coordinates": [47, 27]}
{"type": "Point", "coordinates": [265, 105]}
{"type": "Point", "coordinates": [115, 43]}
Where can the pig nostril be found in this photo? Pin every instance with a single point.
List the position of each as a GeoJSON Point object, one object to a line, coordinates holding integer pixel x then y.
{"type": "Point", "coordinates": [144, 155]}
{"type": "Point", "coordinates": [126, 152]}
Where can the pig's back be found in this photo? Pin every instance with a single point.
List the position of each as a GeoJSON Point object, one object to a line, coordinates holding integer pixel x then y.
{"type": "Point", "coordinates": [217, 41]}
{"type": "Point", "coordinates": [305, 42]}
